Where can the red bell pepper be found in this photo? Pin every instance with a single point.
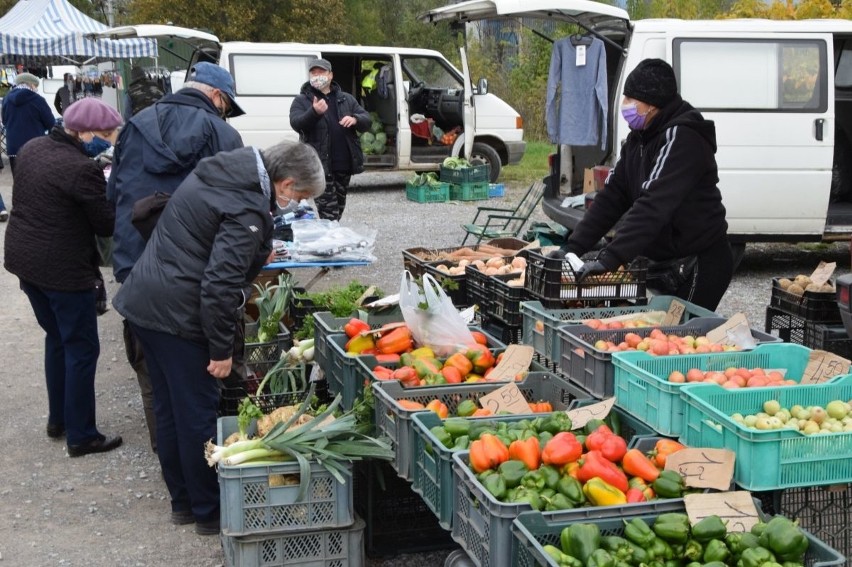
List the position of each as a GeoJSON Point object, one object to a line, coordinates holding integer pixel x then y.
{"type": "Point", "coordinates": [355, 326]}
{"type": "Point", "coordinates": [595, 465]}
{"type": "Point", "coordinates": [634, 495]}
{"type": "Point", "coordinates": [562, 449]}
{"type": "Point", "coordinates": [595, 439]}
{"type": "Point", "coordinates": [613, 448]}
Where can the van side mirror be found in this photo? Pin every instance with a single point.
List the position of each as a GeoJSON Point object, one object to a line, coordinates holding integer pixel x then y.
{"type": "Point", "coordinates": [482, 86]}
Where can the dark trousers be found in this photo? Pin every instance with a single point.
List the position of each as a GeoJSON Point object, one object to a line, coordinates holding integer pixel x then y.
{"type": "Point", "coordinates": [331, 203]}
{"type": "Point", "coordinates": [711, 277]}
{"type": "Point", "coordinates": [12, 165]}
{"type": "Point", "coordinates": [186, 398]}
{"type": "Point", "coordinates": [136, 358]}
{"type": "Point", "coordinates": [71, 350]}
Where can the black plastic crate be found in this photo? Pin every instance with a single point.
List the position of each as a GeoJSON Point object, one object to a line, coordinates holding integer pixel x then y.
{"type": "Point", "coordinates": [511, 335]}
{"type": "Point", "coordinates": [833, 338]}
{"type": "Point", "coordinates": [554, 283]}
{"type": "Point", "coordinates": [825, 511]}
{"type": "Point", "coordinates": [415, 259]}
{"type": "Point", "coordinates": [454, 286]}
{"type": "Point", "coordinates": [812, 306]}
{"type": "Point", "coordinates": [506, 300]}
{"type": "Point", "coordinates": [260, 357]}
{"type": "Point", "coordinates": [789, 328]}
{"type": "Point", "coordinates": [233, 391]}
{"type": "Point", "coordinates": [478, 289]}
{"type": "Point", "coordinates": [397, 519]}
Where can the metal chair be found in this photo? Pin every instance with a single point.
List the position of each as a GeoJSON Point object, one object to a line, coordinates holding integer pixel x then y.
{"type": "Point", "coordinates": [503, 222]}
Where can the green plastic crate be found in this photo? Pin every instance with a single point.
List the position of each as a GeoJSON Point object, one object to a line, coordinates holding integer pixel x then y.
{"type": "Point", "coordinates": [250, 506]}
{"type": "Point", "coordinates": [642, 386]}
{"type": "Point", "coordinates": [773, 459]}
{"type": "Point", "coordinates": [439, 193]}
{"type": "Point", "coordinates": [328, 548]}
{"type": "Point", "coordinates": [473, 191]}
{"type": "Point", "coordinates": [531, 531]}
{"type": "Point", "coordinates": [473, 174]}
{"type": "Point", "coordinates": [592, 368]}
{"type": "Point", "coordinates": [482, 525]}
{"type": "Point", "coordinates": [395, 423]}
{"type": "Point", "coordinates": [432, 464]}
{"type": "Point", "coordinates": [540, 323]}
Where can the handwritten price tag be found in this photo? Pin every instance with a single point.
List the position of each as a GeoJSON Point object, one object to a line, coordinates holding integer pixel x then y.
{"type": "Point", "coordinates": [508, 398]}
{"type": "Point", "coordinates": [582, 416]}
{"type": "Point", "coordinates": [823, 365]}
{"type": "Point", "coordinates": [737, 508]}
{"type": "Point", "coordinates": [823, 272]}
{"type": "Point", "coordinates": [734, 331]}
{"type": "Point", "coordinates": [703, 468]}
{"type": "Point", "coordinates": [675, 313]}
{"type": "Point", "coordinates": [516, 360]}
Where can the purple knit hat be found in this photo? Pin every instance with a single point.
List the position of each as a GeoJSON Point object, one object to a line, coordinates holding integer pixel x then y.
{"type": "Point", "coordinates": [91, 114]}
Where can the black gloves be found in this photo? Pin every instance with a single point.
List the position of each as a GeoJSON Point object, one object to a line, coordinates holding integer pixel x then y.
{"type": "Point", "coordinates": [558, 254]}
{"type": "Point", "coordinates": [591, 268]}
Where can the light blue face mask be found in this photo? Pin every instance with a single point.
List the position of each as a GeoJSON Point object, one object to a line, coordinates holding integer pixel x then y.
{"type": "Point", "coordinates": [96, 147]}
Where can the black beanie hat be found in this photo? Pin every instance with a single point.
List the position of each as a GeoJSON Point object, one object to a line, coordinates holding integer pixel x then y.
{"type": "Point", "coordinates": [652, 81]}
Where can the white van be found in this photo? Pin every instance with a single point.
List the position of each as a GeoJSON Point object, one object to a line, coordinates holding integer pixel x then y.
{"type": "Point", "coordinates": [780, 93]}
{"type": "Point", "coordinates": [269, 76]}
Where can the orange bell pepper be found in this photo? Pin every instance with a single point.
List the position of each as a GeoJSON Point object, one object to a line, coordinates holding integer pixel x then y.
{"type": "Point", "coordinates": [438, 407]}
{"type": "Point", "coordinates": [387, 358]}
{"type": "Point", "coordinates": [410, 405]}
{"type": "Point", "coordinates": [635, 463]}
{"type": "Point", "coordinates": [407, 376]}
{"type": "Point", "coordinates": [451, 374]}
{"type": "Point", "coordinates": [527, 451]}
{"type": "Point", "coordinates": [382, 373]}
{"type": "Point", "coordinates": [487, 452]}
{"type": "Point", "coordinates": [482, 412]}
{"type": "Point", "coordinates": [663, 449]}
{"type": "Point", "coordinates": [481, 357]}
{"type": "Point", "coordinates": [479, 338]}
{"type": "Point", "coordinates": [461, 362]}
{"type": "Point", "coordinates": [541, 407]}
{"type": "Point", "coordinates": [396, 341]}
{"type": "Point", "coordinates": [562, 449]}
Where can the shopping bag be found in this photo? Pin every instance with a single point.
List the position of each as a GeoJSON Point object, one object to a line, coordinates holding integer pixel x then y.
{"type": "Point", "coordinates": [433, 319]}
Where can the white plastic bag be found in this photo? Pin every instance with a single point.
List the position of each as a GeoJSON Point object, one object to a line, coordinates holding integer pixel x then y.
{"type": "Point", "coordinates": [320, 239]}
{"type": "Point", "coordinates": [433, 319]}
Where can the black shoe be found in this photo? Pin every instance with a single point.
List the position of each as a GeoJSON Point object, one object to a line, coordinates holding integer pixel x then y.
{"type": "Point", "coordinates": [207, 528]}
{"type": "Point", "coordinates": [100, 444]}
{"type": "Point", "coordinates": [182, 518]}
{"type": "Point", "coordinates": [4, 215]}
{"type": "Point", "coordinates": [55, 431]}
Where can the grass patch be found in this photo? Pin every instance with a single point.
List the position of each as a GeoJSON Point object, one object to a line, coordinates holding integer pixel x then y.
{"type": "Point", "coordinates": [531, 167]}
{"type": "Point", "coordinates": [815, 246]}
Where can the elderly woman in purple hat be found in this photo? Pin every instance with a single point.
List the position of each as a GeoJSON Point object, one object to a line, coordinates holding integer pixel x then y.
{"type": "Point", "coordinates": [59, 206]}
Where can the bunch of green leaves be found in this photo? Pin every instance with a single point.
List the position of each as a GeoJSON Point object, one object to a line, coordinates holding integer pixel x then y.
{"type": "Point", "coordinates": [341, 302]}
{"type": "Point", "coordinates": [272, 301]}
{"type": "Point", "coordinates": [284, 378]}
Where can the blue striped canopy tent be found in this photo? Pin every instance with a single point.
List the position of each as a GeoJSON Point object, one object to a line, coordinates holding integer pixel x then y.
{"type": "Point", "coordinates": [55, 28]}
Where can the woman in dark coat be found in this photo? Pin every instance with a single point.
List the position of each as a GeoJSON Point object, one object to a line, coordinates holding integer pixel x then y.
{"type": "Point", "coordinates": [187, 291]}
{"type": "Point", "coordinates": [59, 207]}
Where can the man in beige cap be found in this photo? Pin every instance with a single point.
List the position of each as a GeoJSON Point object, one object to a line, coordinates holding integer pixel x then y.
{"type": "Point", "coordinates": [26, 115]}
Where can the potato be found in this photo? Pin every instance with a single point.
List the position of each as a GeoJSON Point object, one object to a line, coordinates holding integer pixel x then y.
{"type": "Point", "coordinates": [796, 289]}
{"type": "Point", "coordinates": [827, 288]}
{"type": "Point", "coordinates": [479, 265]}
{"type": "Point", "coordinates": [784, 283]}
{"type": "Point", "coordinates": [463, 263]}
{"type": "Point", "coordinates": [442, 268]}
{"type": "Point", "coordinates": [491, 271]}
{"type": "Point", "coordinates": [813, 287]}
{"type": "Point", "coordinates": [519, 262]}
{"type": "Point", "coordinates": [517, 282]}
{"type": "Point", "coordinates": [495, 262]}
{"type": "Point", "coordinates": [802, 280]}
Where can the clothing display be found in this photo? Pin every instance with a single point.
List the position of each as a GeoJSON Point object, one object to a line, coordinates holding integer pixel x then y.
{"type": "Point", "coordinates": [576, 101]}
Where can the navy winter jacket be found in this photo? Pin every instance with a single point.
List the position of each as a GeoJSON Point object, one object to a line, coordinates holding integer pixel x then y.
{"type": "Point", "coordinates": [26, 115]}
{"type": "Point", "coordinates": [211, 241]}
{"type": "Point", "coordinates": [155, 151]}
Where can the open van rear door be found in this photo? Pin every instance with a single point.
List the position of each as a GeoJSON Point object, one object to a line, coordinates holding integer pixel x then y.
{"type": "Point", "coordinates": [195, 38]}
{"type": "Point", "coordinates": [583, 12]}
{"type": "Point", "coordinates": [469, 117]}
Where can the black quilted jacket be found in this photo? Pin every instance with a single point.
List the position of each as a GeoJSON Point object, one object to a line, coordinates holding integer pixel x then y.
{"type": "Point", "coordinates": [58, 206]}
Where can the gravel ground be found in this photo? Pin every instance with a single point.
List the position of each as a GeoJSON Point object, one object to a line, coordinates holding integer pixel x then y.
{"type": "Point", "coordinates": [112, 509]}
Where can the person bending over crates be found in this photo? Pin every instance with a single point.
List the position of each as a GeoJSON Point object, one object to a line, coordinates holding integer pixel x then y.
{"type": "Point", "coordinates": [664, 185]}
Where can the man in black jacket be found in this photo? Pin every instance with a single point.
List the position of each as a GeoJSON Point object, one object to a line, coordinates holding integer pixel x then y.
{"type": "Point", "coordinates": [664, 185]}
{"type": "Point", "coordinates": [326, 118]}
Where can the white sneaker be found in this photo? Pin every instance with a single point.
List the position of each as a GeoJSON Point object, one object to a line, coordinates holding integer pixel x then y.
{"type": "Point", "coordinates": [4, 215]}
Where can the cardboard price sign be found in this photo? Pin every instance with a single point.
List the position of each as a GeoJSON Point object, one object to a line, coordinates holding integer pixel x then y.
{"type": "Point", "coordinates": [823, 272]}
{"type": "Point", "coordinates": [508, 398]}
{"type": "Point", "coordinates": [823, 365]}
{"type": "Point", "coordinates": [581, 416]}
{"type": "Point", "coordinates": [675, 313]}
{"type": "Point", "coordinates": [703, 468]}
{"type": "Point", "coordinates": [735, 332]}
{"type": "Point", "coordinates": [735, 508]}
{"type": "Point", "coordinates": [516, 359]}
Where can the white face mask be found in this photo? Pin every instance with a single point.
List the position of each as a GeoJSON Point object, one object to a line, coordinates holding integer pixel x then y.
{"type": "Point", "coordinates": [319, 82]}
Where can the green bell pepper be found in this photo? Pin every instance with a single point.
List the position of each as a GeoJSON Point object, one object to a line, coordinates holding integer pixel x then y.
{"type": "Point", "coordinates": [462, 443]}
{"type": "Point", "coordinates": [758, 528]}
{"type": "Point", "coordinates": [668, 485]}
{"type": "Point", "coordinates": [551, 476]}
{"type": "Point", "coordinates": [557, 501]}
{"type": "Point", "coordinates": [640, 555]}
{"type": "Point", "coordinates": [466, 408]}
{"type": "Point", "coordinates": [716, 550]}
{"type": "Point", "coordinates": [442, 435]}
{"type": "Point", "coordinates": [580, 540]}
{"type": "Point", "coordinates": [618, 547]}
{"type": "Point", "coordinates": [600, 558]}
{"type": "Point", "coordinates": [543, 438]}
{"type": "Point", "coordinates": [693, 550]}
{"type": "Point", "coordinates": [479, 427]}
{"type": "Point", "coordinates": [524, 495]}
{"type": "Point", "coordinates": [711, 527]}
{"type": "Point", "coordinates": [693, 564]}
{"type": "Point", "coordinates": [672, 527]}
{"type": "Point", "coordinates": [457, 426]}
{"type": "Point", "coordinates": [661, 550]}
{"type": "Point", "coordinates": [738, 542]}
{"type": "Point", "coordinates": [592, 426]}
{"type": "Point", "coordinates": [639, 532]}
{"type": "Point", "coordinates": [554, 423]}
{"type": "Point", "coordinates": [715, 564]}
{"type": "Point", "coordinates": [571, 487]}
{"type": "Point", "coordinates": [792, 564]}
{"type": "Point", "coordinates": [512, 472]}
{"type": "Point", "coordinates": [672, 562]}
{"type": "Point", "coordinates": [755, 557]}
{"type": "Point", "coordinates": [784, 539]}
{"type": "Point", "coordinates": [533, 480]}
{"type": "Point", "coordinates": [562, 559]}
{"type": "Point", "coordinates": [495, 485]}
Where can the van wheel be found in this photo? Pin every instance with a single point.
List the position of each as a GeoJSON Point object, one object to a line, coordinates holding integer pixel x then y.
{"type": "Point", "coordinates": [482, 154]}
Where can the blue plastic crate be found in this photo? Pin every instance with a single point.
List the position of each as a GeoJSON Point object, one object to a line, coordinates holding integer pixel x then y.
{"type": "Point", "coordinates": [776, 458]}
{"type": "Point", "coordinates": [642, 386]}
{"type": "Point", "coordinates": [496, 190]}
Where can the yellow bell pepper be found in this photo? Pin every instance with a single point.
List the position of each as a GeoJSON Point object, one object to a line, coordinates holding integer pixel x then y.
{"type": "Point", "coordinates": [601, 493]}
{"type": "Point", "coordinates": [360, 343]}
{"type": "Point", "coordinates": [423, 352]}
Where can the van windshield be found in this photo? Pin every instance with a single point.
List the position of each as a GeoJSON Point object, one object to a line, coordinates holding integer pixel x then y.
{"type": "Point", "coordinates": [432, 71]}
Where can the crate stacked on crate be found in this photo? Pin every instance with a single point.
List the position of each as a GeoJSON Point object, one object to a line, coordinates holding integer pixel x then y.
{"type": "Point", "coordinates": [414, 259]}
{"type": "Point", "coordinates": [428, 192]}
{"type": "Point", "coordinates": [553, 282]}
{"type": "Point", "coordinates": [809, 318]}
{"type": "Point", "coordinates": [540, 324]}
{"type": "Point", "coordinates": [586, 354]}
{"type": "Point", "coordinates": [467, 183]}
{"type": "Point", "coordinates": [264, 523]}
{"type": "Point", "coordinates": [497, 287]}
